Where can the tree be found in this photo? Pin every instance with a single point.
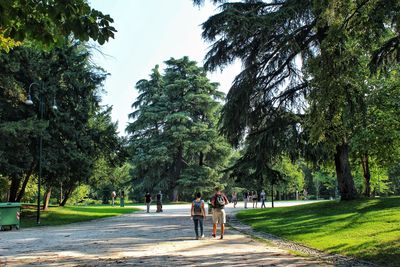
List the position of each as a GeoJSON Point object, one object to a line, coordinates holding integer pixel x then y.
{"type": "Point", "coordinates": [18, 126]}
{"type": "Point", "coordinates": [293, 177]}
{"type": "Point", "coordinates": [74, 136]}
{"type": "Point", "coordinates": [174, 140]}
{"type": "Point", "coordinates": [298, 55]}
{"type": "Point", "coordinates": [107, 178]}
{"type": "Point", "coordinates": [82, 130]}
{"type": "Point", "coordinates": [394, 178]}
{"type": "Point", "coordinates": [49, 22]}
{"type": "Point", "coordinates": [376, 138]}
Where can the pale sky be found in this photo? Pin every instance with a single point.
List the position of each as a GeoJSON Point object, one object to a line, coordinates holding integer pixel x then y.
{"type": "Point", "coordinates": [149, 33]}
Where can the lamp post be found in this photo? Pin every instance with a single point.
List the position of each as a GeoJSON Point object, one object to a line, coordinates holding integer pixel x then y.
{"type": "Point", "coordinates": [41, 112]}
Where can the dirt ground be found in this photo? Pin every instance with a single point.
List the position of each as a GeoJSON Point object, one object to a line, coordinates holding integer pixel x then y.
{"type": "Point", "coordinates": [139, 239]}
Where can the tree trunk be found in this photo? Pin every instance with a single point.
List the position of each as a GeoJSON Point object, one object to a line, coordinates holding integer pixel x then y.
{"type": "Point", "coordinates": [25, 182]}
{"type": "Point", "coordinates": [67, 194]}
{"type": "Point", "coordinates": [61, 194]}
{"type": "Point", "coordinates": [201, 159]}
{"type": "Point", "coordinates": [272, 195]}
{"type": "Point", "coordinates": [367, 174]}
{"type": "Point", "coordinates": [46, 198]}
{"type": "Point", "coordinates": [343, 173]}
{"type": "Point", "coordinates": [175, 194]}
{"type": "Point", "coordinates": [15, 181]}
{"type": "Point", "coordinates": [177, 172]}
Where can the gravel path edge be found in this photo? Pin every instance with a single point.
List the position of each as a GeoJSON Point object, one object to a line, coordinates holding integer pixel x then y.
{"type": "Point", "coordinates": [335, 259]}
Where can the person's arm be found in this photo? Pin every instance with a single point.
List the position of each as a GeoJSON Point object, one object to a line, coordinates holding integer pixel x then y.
{"type": "Point", "coordinates": [203, 210]}
{"type": "Point", "coordinates": [226, 200]}
{"type": "Point", "coordinates": [212, 201]}
{"type": "Point", "coordinates": [192, 210]}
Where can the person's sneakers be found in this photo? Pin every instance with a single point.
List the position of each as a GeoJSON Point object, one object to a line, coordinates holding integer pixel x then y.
{"type": "Point", "coordinates": [222, 237]}
{"type": "Point", "coordinates": [213, 235]}
{"type": "Point", "coordinates": [202, 236]}
{"type": "Point", "coordinates": [197, 237]}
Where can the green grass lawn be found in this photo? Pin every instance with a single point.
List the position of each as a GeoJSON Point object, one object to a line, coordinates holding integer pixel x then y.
{"type": "Point", "coordinates": [70, 214]}
{"type": "Point", "coordinates": [367, 229]}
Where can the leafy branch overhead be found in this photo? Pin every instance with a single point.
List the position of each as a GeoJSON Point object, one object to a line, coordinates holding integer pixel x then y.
{"type": "Point", "coordinates": [310, 59]}
{"type": "Point", "coordinates": [50, 22]}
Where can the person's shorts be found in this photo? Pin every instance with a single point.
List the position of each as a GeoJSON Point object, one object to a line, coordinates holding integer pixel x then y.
{"type": "Point", "coordinates": [219, 216]}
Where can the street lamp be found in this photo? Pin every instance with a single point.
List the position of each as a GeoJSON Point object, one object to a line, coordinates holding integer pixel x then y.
{"type": "Point", "coordinates": [41, 111]}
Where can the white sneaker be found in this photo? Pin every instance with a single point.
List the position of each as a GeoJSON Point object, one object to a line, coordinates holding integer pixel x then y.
{"type": "Point", "coordinates": [202, 236]}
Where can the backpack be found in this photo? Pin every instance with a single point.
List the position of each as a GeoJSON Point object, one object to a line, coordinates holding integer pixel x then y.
{"type": "Point", "coordinates": [219, 201]}
{"type": "Point", "coordinates": [197, 207]}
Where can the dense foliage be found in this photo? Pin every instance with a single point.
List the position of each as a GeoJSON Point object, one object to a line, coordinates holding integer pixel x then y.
{"type": "Point", "coordinates": [50, 22]}
{"type": "Point", "coordinates": [74, 135]}
{"type": "Point", "coordinates": [175, 145]}
{"type": "Point", "coordinates": [42, 59]}
{"type": "Point", "coordinates": [306, 89]}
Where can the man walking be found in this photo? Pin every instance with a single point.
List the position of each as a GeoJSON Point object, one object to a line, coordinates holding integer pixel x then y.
{"type": "Point", "coordinates": [262, 196]}
{"type": "Point", "coordinates": [147, 199]}
{"type": "Point", "coordinates": [218, 201]}
{"type": "Point", "coordinates": [255, 198]}
{"type": "Point", "coordinates": [113, 195]}
{"type": "Point", "coordinates": [245, 199]}
{"type": "Point", "coordinates": [159, 202]}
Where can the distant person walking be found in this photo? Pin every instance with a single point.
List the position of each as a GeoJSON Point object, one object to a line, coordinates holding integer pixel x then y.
{"type": "Point", "coordinates": [147, 200]}
{"type": "Point", "coordinates": [245, 199]}
{"type": "Point", "coordinates": [234, 199]}
{"type": "Point", "coordinates": [250, 197]}
{"type": "Point", "coordinates": [122, 199]}
{"type": "Point", "coordinates": [255, 198]}
{"type": "Point", "coordinates": [218, 201]}
{"type": "Point", "coordinates": [159, 202]}
{"type": "Point", "coordinates": [113, 195]}
{"type": "Point", "coordinates": [198, 214]}
{"type": "Point", "coordinates": [262, 197]}
{"type": "Point", "coordinates": [305, 194]}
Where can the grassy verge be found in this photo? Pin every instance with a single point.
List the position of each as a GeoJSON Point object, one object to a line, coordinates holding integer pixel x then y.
{"type": "Point", "coordinates": [176, 203]}
{"type": "Point", "coordinates": [70, 214]}
{"type": "Point", "coordinates": [366, 229]}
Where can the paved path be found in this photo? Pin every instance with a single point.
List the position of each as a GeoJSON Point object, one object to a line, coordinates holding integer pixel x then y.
{"type": "Point", "coordinates": [139, 239]}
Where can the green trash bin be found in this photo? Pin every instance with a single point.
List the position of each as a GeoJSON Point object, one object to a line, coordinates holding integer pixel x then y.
{"type": "Point", "coordinates": [10, 214]}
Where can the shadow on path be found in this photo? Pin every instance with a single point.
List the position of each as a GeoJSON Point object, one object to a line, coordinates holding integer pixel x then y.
{"type": "Point", "coordinates": [139, 239]}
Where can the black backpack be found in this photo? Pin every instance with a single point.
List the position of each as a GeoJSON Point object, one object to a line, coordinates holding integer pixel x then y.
{"type": "Point", "coordinates": [219, 201]}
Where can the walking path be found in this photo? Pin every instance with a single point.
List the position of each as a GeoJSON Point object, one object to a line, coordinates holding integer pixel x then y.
{"type": "Point", "coordinates": [140, 239]}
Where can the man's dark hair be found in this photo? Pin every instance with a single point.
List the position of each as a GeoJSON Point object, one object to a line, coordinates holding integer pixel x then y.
{"type": "Point", "coordinates": [198, 194]}
{"type": "Point", "coordinates": [217, 189]}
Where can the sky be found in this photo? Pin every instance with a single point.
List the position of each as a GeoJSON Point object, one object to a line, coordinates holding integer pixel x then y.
{"type": "Point", "coordinates": [149, 33]}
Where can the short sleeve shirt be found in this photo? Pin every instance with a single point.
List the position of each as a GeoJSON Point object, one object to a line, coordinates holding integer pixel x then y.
{"type": "Point", "coordinates": [148, 198]}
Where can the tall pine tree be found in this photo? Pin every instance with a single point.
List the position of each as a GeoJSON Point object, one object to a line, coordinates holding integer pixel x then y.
{"type": "Point", "coordinates": [278, 43]}
{"type": "Point", "coordinates": [174, 140]}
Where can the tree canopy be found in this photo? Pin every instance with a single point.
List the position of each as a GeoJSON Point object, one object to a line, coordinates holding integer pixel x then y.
{"type": "Point", "coordinates": [174, 139]}
{"type": "Point", "coordinates": [50, 22]}
{"type": "Point", "coordinates": [74, 136]}
{"type": "Point", "coordinates": [299, 58]}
